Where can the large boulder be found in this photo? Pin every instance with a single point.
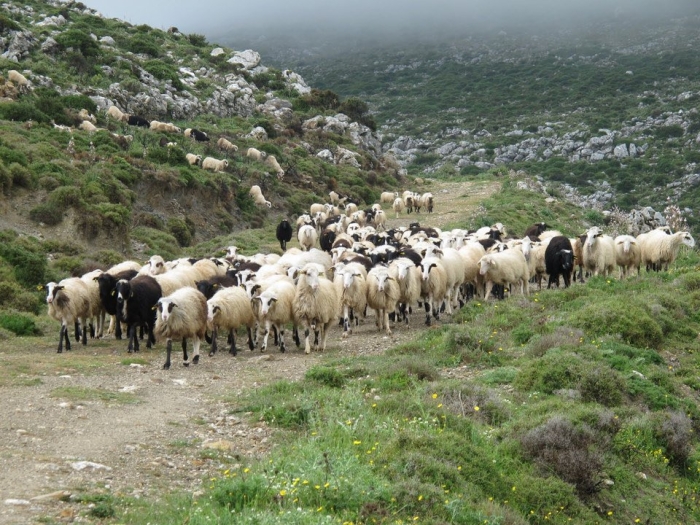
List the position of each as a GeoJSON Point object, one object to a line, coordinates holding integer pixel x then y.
{"type": "Point", "coordinates": [249, 59]}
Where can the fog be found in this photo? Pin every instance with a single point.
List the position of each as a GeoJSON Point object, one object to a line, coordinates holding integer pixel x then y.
{"type": "Point", "coordinates": [222, 17]}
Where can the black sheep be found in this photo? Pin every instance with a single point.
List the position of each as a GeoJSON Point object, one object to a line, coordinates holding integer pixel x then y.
{"type": "Point", "coordinates": [135, 120]}
{"type": "Point", "coordinates": [536, 229]}
{"type": "Point", "coordinates": [137, 299]}
{"type": "Point", "coordinates": [559, 260]}
{"type": "Point", "coordinates": [107, 283]}
{"type": "Point", "coordinates": [284, 233]}
{"type": "Point", "coordinates": [327, 239]}
{"type": "Point", "coordinates": [209, 287]}
{"type": "Point", "coordinates": [199, 136]}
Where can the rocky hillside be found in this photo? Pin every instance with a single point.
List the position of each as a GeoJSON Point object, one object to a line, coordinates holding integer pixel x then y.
{"type": "Point", "coordinates": [130, 189]}
{"type": "Point", "coordinates": [608, 108]}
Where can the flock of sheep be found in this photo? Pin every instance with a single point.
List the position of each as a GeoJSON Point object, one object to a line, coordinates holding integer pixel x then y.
{"type": "Point", "coordinates": [357, 267]}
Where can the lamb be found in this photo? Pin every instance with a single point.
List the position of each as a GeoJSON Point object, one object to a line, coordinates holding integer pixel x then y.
{"type": "Point", "coordinates": [388, 197]}
{"type": "Point", "coordinates": [123, 141]}
{"type": "Point", "coordinates": [215, 165]}
{"type": "Point", "coordinates": [275, 310]}
{"type": "Point", "coordinates": [628, 254]}
{"type": "Point", "coordinates": [197, 135]}
{"type": "Point", "coordinates": [84, 114]}
{"type": "Point", "coordinates": [660, 249]}
{"type": "Point", "coordinates": [116, 114]}
{"type": "Point", "coordinates": [507, 268]}
{"type": "Point", "coordinates": [397, 206]}
{"type": "Point", "coordinates": [315, 305]}
{"type": "Point", "coordinates": [272, 162]}
{"type": "Point", "coordinates": [599, 252]}
{"type": "Point", "coordinates": [307, 237]}
{"type": "Point", "coordinates": [194, 160]}
{"type": "Point", "coordinates": [226, 145]}
{"type": "Point", "coordinates": [433, 286]}
{"type": "Point", "coordinates": [559, 260]}
{"type": "Point", "coordinates": [408, 277]}
{"type": "Point", "coordinates": [284, 233]}
{"type": "Point", "coordinates": [255, 154]}
{"type": "Point", "coordinates": [135, 120]}
{"type": "Point", "coordinates": [137, 300]}
{"type": "Point", "coordinates": [256, 193]}
{"type": "Point", "coordinates": [68, 302]}
{"type": "Point", "coordinates": [351, 287]}
{"type": "Point", "coordinates": [166, 127]}
{"type": "Point", "coordinates": [229, 309]}
{"type": "Point", "coordinates": [182, 315]}
{"type": "Point", "coordinates": [19, 80]}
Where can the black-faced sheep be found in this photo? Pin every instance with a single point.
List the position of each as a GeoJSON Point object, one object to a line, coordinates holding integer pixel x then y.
{"type": "Point", "coordinates": [135, 120]}
{"type": "Point", "coordinates": [197, 135]}
{"type": "Point", "coordinates": [182, 315]}
{"type": "Point", "coordinates": [315, 305]}
{"type": "Point", "coordinates": [215, 165]}
{"type": "Point", "coordinates": [284, 233]}
{"type": "Point", "coordinates": [107, 284]}
{"type": "Point", "coordinates": [137, 300]}
{"type": "Point", "coordinates": [559, 260]}
{"type": "Point", "coordinates": [229, 309]}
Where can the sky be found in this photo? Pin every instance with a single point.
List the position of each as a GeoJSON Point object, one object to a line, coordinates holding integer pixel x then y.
{"type": "Point", "coordinates": [214, 16]}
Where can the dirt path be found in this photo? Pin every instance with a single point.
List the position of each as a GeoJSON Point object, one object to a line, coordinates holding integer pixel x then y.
{"type": "Point", "coordinates": [90, 421]}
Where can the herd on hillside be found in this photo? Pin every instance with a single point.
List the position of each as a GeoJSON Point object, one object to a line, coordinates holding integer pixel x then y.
{"type": "Point", "coordinates": [346, 263]}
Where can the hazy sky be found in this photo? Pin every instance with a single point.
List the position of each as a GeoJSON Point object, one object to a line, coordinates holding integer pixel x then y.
{"type": "Point", "coordinates": [213, 16]}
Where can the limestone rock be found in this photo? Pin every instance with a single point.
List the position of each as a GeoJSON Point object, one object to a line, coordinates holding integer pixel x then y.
{"type": "Point", "coordinates": [249, 59]}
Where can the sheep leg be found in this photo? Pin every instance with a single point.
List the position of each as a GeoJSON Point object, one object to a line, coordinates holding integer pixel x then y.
{"type": "Point", "coordinates": [295, 336]}
{"type": "Point", "coordinates": [84, 332]}
{"type": "Point", "coordinates": [195, 349]}
{"type": "Point", "coordinates": [168, 350]}
{"type": "Point", "coordinates": [233, 350]}
{"type": "Point", "coordinates": [151, 339]}
{"type": "Point", "coordinates": [282, 347]}
{"type": "Point", "coordinates": [92, 330]}
{"type": "Point", "coordinates": [77, 331]}
{"type": "Point", "coordinates": [276, 335]}
{"type": "Point", "coordinates": [263, 348]}
{"type": "Point", "coordinates": [213, 343]}
{"type": "Point", "coordinates": [136, 339]}
{"type": "Point", "coordinates": [251, 343]}
{"type": "Point", "coordinates": [427, 313]}
{"type": "Point", "coordinates": [346, 321]}
{"type": "Point", "coordinates": [61, 335]}
{"type": "Point", "coordinates": [185, 358]}
{"type": "Point", "coordinates": [386, 322]}
{"type": "Point", "coordinates": [307, 347]}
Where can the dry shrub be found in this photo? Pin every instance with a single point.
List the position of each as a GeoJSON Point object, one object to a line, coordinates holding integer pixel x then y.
{"type": "Point", "coordinates": [475, 401]}
{"type": "Point", "coordinates": [561, 337]}
{"type": "Point", "coordinates": [568, 451]}
{"type": "Point", "coordinates": [675, 430]}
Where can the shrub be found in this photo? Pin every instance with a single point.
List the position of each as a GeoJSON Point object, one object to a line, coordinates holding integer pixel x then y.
{"type": "Point", "coordinates": [143, 44]}
{"type": "Point", "coordinates": [552, 372]}
{"type": "Point", "coordinates": [197, 40]}
{"type": "Point", "coordinates": [79, 41]}
{"type": "Point", "coordinates": [29, 268]}
{"type": "Point", "coordinates": [163, 71]}
{"type": "Point", "coordinates": [568, 451]}
{"type": "Point", "coordinates": [18, 324]}
{"type": "Point", "coordinates": [21, 176]}
{"type": "Point", "coordinates": [602, 385]}
{"type": "Point", "coordinates": [675, 430]}
{"type": "Point", "coordinates": [667, 132]}
{"type": "Point", "coordinates": [180, 230]}
{"type": "Point", "coordinates": [22, 111]}
{"type": "Point", "coordinates": [47, 213]}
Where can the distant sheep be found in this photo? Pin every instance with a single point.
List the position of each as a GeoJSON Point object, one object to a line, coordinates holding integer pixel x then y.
{"type": "Point", "coordinates": [256, 193]}
{"type": "Point", "coordinates": [255, 154]}
{"type": "Point", "coordinates": [599, 252]}
{"type": "Point", "coordinates": [86, 125]}
{"type": "Point", "coordinates": [182, 315]}
{"type": "Point", "coordinates": [284, 233]}
{"type": "Point", "coordinates": [197, 135]}
{"type": "Point", "coordinates": [315, 305]}
{"type": "Point", "coordinates": [379, 220]}
{"type": "Point", "coordinates": [387, 197]}
{"type": "Point", "coordinates": [226, 145]}
{"type": "Point", "coordinates": [307, 237]}
{"type": "Point", "coordinates": [84, 114]}
{"type": "Point", "coordinates": [229, 309]}
{"type": "Point", "coordinates": [166, 127]}
{"type": "Point", "coordinates": [272, 162]}
{"type": "Point", "coordinates": [559, 260]}
{"type": "Point", "coordinates": [194, 160]}
{"type": "Point", "coordinates": [628, 254]}
{"type": "Point", "coordinates": [115, 113]}
{"type": "Point", "coordinates": [215, 165]}
{"type": "Point", "coordinates": [426, 201]}
{"type": "Point", "coordinates": [19, 80]}
{"type": "Point", "coordinates": [383, 295]}
{"type": "Point", "coordinates": [135, 120]}
{"type": "Point", "coordinates": [397, 206]}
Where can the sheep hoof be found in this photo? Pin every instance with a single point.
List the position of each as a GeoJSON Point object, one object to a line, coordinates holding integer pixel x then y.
{"type": "Point", "coordinates": [185, 363]}
{"type": "Point", "coordinates": [212, 354]}
{"type": "Point", "coordinates": [195, 360]}
{"type": "Point", "coordinates": [166, 366]}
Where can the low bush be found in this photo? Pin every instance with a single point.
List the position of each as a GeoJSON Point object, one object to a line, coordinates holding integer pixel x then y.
{"type": "Point", "coordinates": [18, 324]}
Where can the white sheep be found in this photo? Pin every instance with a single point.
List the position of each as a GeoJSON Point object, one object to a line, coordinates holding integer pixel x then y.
{"type": "Point", "coordinates": [426, 201]}
{"type": "Point", "coordinates": [397, 206]}
{"type": "Point", "coordinates": [408, 277]}
{"type": "Point", "coordinates": [383, 295]}
{"type": "Point", "coordinates": [116, 114]}
{"type": "Point", "coordinates": [350, 208]}
{"type": "Point", "coordinates": [68, 302]}
{"type": "Point", "coordinates": [307, 237]}
{"type": "Point", "coordinates": [599, 252]}
{"type": "Point", "coordinates": [86, 125]}
{"type": "Point", "coordinates": [379, 220]}
{"type": "Point", "coordinates": [255, 154]}
{"type": "Point", "coordinates": [84, 114]}
{"type": "Point", "coordinates": [182, 315]}
{"type": "Point", "coordinates": [193, 160]}
{"type": "Point", "coordinates": [471, 254]}
{"type": "Point", "coordinates": [226, 145]}
{"type": "Point", "coordinates": [628, 254]}
{"type": "Point", "coordinates": [315, 306]}
{"type": "Point", "coordinates": [661, 249]}
{"type": "Point", "coordinates": [256, 193]}
{"type": "Point", "coordinates": [351, 286]}
{"type": "Point", "coordinates": [433, 286]}
{"type": "Point", "coordinates": [215, 165]}
{"type": "Point", "coordinates": [455, 269]}
{"type": "Point", "coordinates": [272, 162]}
{"type": "Point", "coordinates": [229, 309]}
{"type": "Point", "coordinates": [507, 268]}
{"type": "Point", "coordinates": [96, 309]}
{"type": "Point", "coordinates": [275, 309]}
{"type": "Point", "coordinates": [19, 81]}
{"type": "Point", "coordinates": [388, 197]}
{"type": "Point", "coordinates": [167, 127]}
{"type": "Point", "coordinates": [173, 280]}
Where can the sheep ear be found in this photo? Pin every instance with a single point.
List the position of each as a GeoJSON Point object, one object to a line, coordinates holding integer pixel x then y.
{"type": "Point", "coordinates": [216, 309]}
{"type": "Point", "coordinates": [273, 300]}
{"type": "Point", "coordinates": [215, 286]}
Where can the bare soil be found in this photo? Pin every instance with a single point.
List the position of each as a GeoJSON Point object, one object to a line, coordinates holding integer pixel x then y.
{"type": "Point", "coordinates": [140, 430]}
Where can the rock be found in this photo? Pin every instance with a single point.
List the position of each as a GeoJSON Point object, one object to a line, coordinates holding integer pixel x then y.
{"type": "Point", "coordinates": [258, 133]}
{"type": "Point", "coordinates": [83, 465]}
{"type": "Point", "coordinates": [52, 21]}
{"type": "Point", "coordinates": [108, 40]}
{"type": "Point", "coordinates": [248, 58]}
{"type": "Point", "coordinates": [17, 502]}
{"type": "Point", "coordinates": [217, 51]}
{"type": "Point", "coordinates": [59, 495]}
{"type": "Point", "coordinates": [347, 157]}
{"type": "Point", "coordinates": [20, 44]}
{"type": "Point", "coordinates": [621, 151]}
{"type": "Point", "coordinates": [221, 444]}
{"type": "Point", "coordinates": [49, 45]}
{"type": "Point", "coordinates": [326, 155]}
